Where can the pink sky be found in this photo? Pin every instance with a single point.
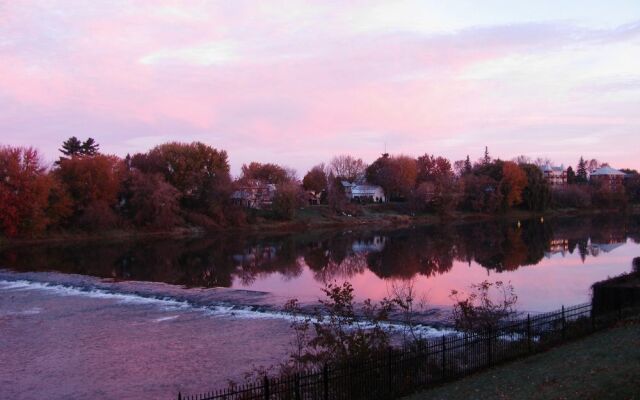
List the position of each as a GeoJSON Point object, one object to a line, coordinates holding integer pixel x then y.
{"type": "Point", "coordinates": [298, 82]}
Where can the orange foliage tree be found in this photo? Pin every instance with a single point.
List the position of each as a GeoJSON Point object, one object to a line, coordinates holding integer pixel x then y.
{"type": "Point", "coordinates": [93, 184]}
{"type": "Point", "coordinates": [24, 191]}
{"type": "Point", "coordinates": [514, 180]}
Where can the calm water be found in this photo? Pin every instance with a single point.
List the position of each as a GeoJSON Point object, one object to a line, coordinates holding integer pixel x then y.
{"type": "Point", "coordinates": [151, 318]}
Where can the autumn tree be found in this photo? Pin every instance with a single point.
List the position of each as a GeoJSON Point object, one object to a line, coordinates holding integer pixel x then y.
{"type": "Point", "coordinates": [199, 172]}
{"type": "Point", "coordinates": [93, 183]}
{"type": "Point", "coordinates": [437, 190]}
{"type": "Point", "coordinates": [514, 180]}
{"type": "Point", "coordinates": [24, 191]}
{"type": "Point", "coordinates": [481, 193]}
{"type": "Point", "coordinates": [431, 169]}
{"type": "Point", "coordinates": [536, 194]}
{"type": "Point", "coordinates": [153, 202]}
{"type": "Point", "coordinates": [287, 199]}
{"type": "Point", "coordinates": [396, 175]}
{"type": "Point", "coordinates": [268, 173]}
{"type": "Point", "coordinates": [348, 167]}
{"type": "Point", "coordinates": [315, 180]}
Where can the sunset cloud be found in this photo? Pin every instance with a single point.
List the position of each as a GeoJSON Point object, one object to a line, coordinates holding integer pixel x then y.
{"type": "Point", "coordinates": [296, 82]}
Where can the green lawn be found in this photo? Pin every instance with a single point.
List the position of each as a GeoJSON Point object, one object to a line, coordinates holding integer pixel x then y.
{"type": "Point", "coordinates": [605, 365]}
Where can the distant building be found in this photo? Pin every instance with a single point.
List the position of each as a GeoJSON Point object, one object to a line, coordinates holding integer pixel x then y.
{"type": "Point", "coordinates": [610, 176]}
{"type": "Point", "coordinates": [364, 192]}
{"type": "Point", "coordinates": [554, 175]}
{"type": "Point", "coordinates": [254, 194]}
{"type": "Point", "coordinates": [313, 198]}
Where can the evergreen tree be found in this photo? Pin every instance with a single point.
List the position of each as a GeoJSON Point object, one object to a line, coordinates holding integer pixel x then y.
{"type": "Point", "coordinates": [581, 175]}
{"type": "Point", "coordinates": [89, 148]}
{"type": "Point", "coordinates": [571, 176]}
{"type": "Point", "coordinates": [467, 166]}
{"type": "Point", "coordinates": [71, 147]}
{"type": "Point", "coordinates": [487, 159]}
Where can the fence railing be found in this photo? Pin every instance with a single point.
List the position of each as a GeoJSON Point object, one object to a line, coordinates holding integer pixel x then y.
{"type": "Point", "coordinates": [428, 362]}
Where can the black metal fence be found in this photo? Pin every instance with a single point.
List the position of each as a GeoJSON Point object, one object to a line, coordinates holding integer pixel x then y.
{"type": "Point", "coordinates": [427, 363]}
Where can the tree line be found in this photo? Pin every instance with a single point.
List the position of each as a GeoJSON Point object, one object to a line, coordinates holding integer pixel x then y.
{"type": "Point", "coordinates": [431, 183]}
{"type": "Point", "coordinates": [190, 185]}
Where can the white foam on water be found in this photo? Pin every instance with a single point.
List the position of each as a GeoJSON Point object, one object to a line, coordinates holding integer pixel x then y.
{"type": "Point", "coordinates": [166, 303]}
{"type": "Point", "coordinates": [166, 318]}
{"type": "Point", "coordinates": [172, 305]}
{"type": "Point", "coordinates": [29, 311]}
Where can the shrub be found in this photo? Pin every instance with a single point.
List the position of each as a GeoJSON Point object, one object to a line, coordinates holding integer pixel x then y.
{"type": "Point", "coordinates": [339, 333]}
{"type": "Point", "coordinates": [287, 199]}
{"type": "Point", "coordinates": [481, 311]}
{"type": "Point", "coordinates": [571, 196]}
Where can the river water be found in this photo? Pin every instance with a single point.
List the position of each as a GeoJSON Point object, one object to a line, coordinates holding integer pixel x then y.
{"type": "Point", "coordinates": [153, 317]}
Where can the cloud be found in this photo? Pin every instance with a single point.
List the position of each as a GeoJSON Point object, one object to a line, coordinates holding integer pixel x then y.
{"type": "Point", "coordinates": [217, 53]}
{"type": "Point", "coordinates": [296, 83]}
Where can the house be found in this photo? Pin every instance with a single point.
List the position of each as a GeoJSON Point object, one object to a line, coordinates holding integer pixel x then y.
{"type": "Point", "coordinates": [313, 198]}
{"type": "Point", "coordinates": [554, 175]}
{"type": "Point", "coordinates": [364, 192]}
{"type": "Point", "coordinates": [254, 194]}
{"type": "Point", "coordinates": [609, 176]}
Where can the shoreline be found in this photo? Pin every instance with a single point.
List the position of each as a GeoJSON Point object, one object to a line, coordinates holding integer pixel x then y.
{"type": "Point", "coordinates": [305, 223]}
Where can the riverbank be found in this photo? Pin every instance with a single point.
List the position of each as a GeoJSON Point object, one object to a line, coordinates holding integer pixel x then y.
{"type": "Point", "coordinates": [312, 218]}
{"type": "Point", "coordinates": [602, 366]}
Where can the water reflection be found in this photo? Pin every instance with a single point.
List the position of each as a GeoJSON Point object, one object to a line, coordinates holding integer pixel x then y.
{"type": "Point", "coordinates": [400, 254]}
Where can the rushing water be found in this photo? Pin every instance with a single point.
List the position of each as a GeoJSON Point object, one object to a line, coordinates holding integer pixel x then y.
{"type": "Point", "coordinates": [152, 317]}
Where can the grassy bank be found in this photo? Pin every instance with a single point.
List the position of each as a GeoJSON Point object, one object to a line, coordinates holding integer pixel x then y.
{"type": "Point", "coordinates": [313, 218]}
{"type": "Point", "coordinates": [605, 365]}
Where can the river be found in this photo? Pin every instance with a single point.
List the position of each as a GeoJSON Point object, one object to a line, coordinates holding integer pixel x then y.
{"type": "Point", "coordinates": [149, 318]}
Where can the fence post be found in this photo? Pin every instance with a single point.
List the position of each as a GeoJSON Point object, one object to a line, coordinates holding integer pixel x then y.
{"type": "Point", "coordinates": [297, 386]}
{"type": "Point", "coordinates": [593, 319]}
{"type": "Point", "coordinates": [529, 332]}
{"type": "Point", "coordinates": [563, 325]}
{"type": "Point", "coordinates": [390, 371]}
{"type": "Point", "coordinates": [489, 355]}
{"type": "Point", "coordinates": [179, 396]}
{"type": "Point", "coordinates": [265, 388]}
{"type": "Point", "coordinates": [325, 381]}
{"type": "Point", "coordinates": [444, 360]}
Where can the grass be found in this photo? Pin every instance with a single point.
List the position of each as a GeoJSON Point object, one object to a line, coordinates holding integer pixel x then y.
{"type": "Point", "coordinates": [605, 365]}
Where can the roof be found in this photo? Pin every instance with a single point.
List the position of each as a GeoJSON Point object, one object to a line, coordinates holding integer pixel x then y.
{"type": "Point", "coordinates": [548, 168]}
{"type": "Point", "coordinates": [607, 171]}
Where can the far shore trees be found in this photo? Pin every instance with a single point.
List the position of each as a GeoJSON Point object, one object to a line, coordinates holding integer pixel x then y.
{"type": "Point", "coordinates": [189, 185]}
{"type": "Point", "coordinates": [395, 174]}
{"type": "Point", "coordinates": [315, 180]}
{"type": "Point", "coordinates": [347, 167]}
{"type": "Point", "coordinates": [268, 173]}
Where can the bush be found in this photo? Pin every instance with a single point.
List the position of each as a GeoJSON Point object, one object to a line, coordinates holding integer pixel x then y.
{"type": "Point", "coordinates": [479, 311]}
{"type": "Point", "coordinates": [636, 265]}
{"type": "Point", "coordinates": [287, 199]}
{"type": "Point", "coordinates": [339, 334]}
{"type": "Point", "coordinates": [571, 196]}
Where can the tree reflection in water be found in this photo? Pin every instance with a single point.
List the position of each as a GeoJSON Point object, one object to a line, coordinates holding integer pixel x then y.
{"type": "Point", "coordinates": [219, 261]}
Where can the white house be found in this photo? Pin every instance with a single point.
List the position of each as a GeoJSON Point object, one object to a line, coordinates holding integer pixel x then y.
{"type": "Point", "coordinates": [254, 194]}
{"type": "Point", "coordinates": [364, 192]}
{"type": "Point", "coordinates": [554, 175]}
